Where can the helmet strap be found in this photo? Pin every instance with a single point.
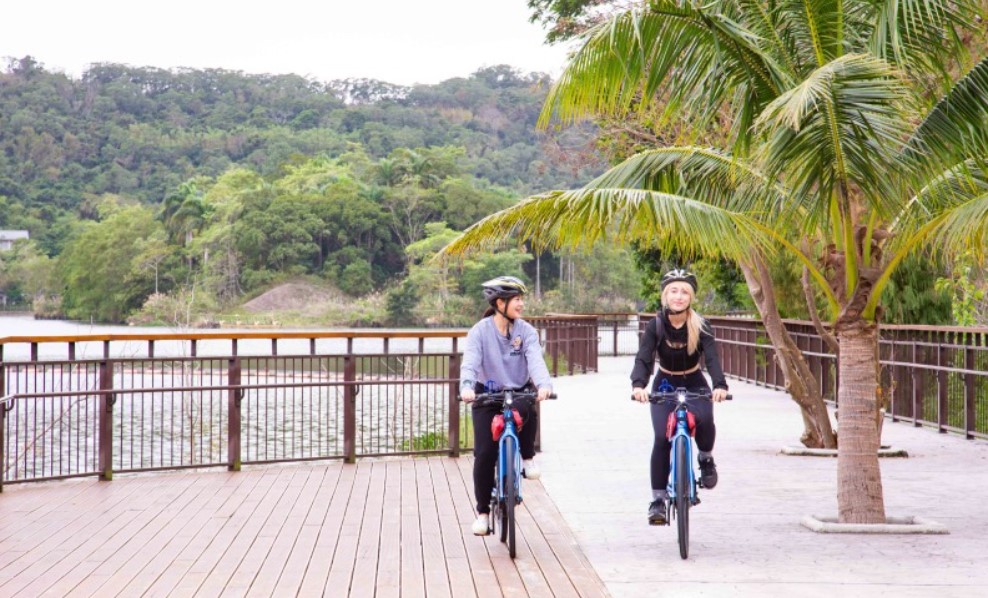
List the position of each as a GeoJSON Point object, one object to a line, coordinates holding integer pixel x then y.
{"type": "Point", "coordinates": [504, 314]}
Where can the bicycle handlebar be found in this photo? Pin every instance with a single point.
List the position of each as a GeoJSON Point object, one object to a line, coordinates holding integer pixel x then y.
{"type": "Point", "coordinates": [673, 396]}
{"type": "Point", "coordinates": [498, 397]}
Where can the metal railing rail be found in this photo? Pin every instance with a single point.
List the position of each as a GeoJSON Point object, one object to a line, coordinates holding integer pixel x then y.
{"type": "Point", "coordinates": [118, 415]}
{"type": "Point", "coordinates": [932, 376]}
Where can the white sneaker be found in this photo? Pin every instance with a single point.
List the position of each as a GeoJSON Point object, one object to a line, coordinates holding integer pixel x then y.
{"type": "Point", "coordinates": [530, 470]}
{"type": "Point", "coordinates": [481, 527]}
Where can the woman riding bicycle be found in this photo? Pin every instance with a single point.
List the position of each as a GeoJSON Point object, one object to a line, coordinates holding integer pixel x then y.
{"type": "Point", "coordinates": [502, 352]}
{"type": "Point", "coordinates": [678, 335]}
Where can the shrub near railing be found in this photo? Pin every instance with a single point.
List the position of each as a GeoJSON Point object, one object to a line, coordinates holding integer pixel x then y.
{"type": "Point", "coordinates": [935, 376]}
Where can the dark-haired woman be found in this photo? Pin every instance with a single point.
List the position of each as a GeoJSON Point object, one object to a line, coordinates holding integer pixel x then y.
{"type": "Point", "coordinates": [502, 351]}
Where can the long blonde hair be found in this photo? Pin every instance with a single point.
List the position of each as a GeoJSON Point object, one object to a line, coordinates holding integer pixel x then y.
{"type": "Point", "coordinates": [694, 323]}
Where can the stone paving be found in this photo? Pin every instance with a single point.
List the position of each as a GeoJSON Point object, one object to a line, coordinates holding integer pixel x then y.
{"type": "Point", "coordinates": [746, 537]}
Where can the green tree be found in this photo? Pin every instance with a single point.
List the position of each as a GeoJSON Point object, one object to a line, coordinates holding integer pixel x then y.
{"type": "Point", "coordinates": [98, 269]}
{"type": "Point", "coordinates": [822, 146]}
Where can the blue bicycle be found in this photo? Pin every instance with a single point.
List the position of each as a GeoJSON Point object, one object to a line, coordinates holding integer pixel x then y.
{"type": "Point", "coordinates": [682, 484]}
{"type": "Point", "coordinates": [507, 472]}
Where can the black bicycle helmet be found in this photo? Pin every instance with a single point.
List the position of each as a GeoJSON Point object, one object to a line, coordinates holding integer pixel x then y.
{"type": "Point", "coordinates": [679, 275]}
{"type": "Point", "coordinates": [503, 287]}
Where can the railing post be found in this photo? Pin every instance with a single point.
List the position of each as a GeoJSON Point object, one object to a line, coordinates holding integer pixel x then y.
{"type": "Point", "coordinates": [234, 422]}
{"type": "Point", "coordinates": [615, 338]}
{"type": "Point", "coordinates": [553, 340]}
{"type": "Point", "coordinates": [570, 353]}
{"type": "Point", "coordinates": [970, 421]}
{"type": "Point", "coordinates": [453, 432]}
{"type": "Point", "coordinates": [919, 383]}
{"type": "Point", "coordinates": [594, 348]}
{"type": "Point", "coordinates": [942, 395]}
{"type": "Point", "coordinates": [3, 425]}
{"type": "Point", "coordinates": [349, 409]}
{"type": "Point", "coordinates": [106, 401]}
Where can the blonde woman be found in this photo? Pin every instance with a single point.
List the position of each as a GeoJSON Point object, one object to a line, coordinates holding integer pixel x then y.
{"type": "Point", "coordinates": [678, 336]}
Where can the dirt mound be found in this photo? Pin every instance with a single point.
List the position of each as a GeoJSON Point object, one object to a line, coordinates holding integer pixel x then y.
{"type": "Point", "coordinates": [292, 295]}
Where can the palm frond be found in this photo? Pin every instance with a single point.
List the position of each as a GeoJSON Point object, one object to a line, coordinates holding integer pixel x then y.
{"type": "Point", "coordinates": [921, 36]}
{"type": "Point", "coordinates": [964, 229]}
{"type": "Point", "coordinates": [579, 218]}
{"type": "Point", "coordinates": [955, 231]}
{"type": "Point", "coordinates": [955, 129]}
{"type": "Point", "coordinates": [944, 192]}
{"type": "Point", "coordinates": [842, 126]}
{"type": "Point", "coordinates": [817, 26]}
{"type": "Point", "coordinates": [770, 23]}
{"type": "Point", "coordinates": [703, 174]}
{"type": "Point", "coordinates": [695, 54]}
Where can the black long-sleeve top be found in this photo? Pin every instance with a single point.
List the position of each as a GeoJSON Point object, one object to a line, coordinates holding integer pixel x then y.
{"type": "Point", "coordinates": [673, 354]}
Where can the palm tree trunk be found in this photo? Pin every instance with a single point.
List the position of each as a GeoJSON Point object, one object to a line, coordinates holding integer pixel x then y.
{"type": "Point", "coordinates": [859, 479]}
{"type": "Point", "coordinates": [799, 379]}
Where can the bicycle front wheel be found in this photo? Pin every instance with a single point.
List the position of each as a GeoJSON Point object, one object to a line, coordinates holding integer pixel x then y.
{"type": "Point", "coordinates": [510, 496]}
{"type": "Point", "coordinates": [683, 497]}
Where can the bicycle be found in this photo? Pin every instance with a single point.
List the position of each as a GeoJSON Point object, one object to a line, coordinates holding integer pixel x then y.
{"type": "Point", "coordinates": [507, 471]}
{"type": "Point", "coordinates": [682, 485]}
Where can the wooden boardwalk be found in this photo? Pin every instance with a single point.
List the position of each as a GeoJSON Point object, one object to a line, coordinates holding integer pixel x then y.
{"type": "Point", "coordinates": [380, 528]}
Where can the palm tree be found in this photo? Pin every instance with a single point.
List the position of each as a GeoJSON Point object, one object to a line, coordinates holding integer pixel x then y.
{"type": "Point", "coordinates": [822, 160]}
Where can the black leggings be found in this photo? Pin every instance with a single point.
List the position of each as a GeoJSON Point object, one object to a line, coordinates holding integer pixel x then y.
{"type": "Point", "coordinates": [485, 449]}
{"type": "Point", "coordinates": [703, 412]}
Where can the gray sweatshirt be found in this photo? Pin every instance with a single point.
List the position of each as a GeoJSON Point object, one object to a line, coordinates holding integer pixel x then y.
{"type": "Point", "coordinates": [509, 362]}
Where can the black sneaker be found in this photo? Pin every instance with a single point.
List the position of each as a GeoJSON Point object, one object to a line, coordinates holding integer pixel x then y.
{"type": "Point", "coordinates": [657, 512]}
{"type": "Point", "coordinates": [708, 473]}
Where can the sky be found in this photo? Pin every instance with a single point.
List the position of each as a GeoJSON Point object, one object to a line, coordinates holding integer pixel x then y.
{"type": "Point", "coordinates": [398, 41]}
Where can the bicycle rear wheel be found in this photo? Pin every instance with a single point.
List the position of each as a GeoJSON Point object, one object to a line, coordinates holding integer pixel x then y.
{"type": "Point", "coordinates": [510, 496]}
{"type": "Point", "coordinates": [683, 498]}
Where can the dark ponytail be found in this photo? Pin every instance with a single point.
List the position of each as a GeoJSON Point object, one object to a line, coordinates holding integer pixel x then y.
{"type": "Point", "coordinates": [490, 311]}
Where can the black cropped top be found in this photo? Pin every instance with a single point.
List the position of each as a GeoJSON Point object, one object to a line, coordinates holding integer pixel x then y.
{"type": "Point", "coordinates": [672, 352]}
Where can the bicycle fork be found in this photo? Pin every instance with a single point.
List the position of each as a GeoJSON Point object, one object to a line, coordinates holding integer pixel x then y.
{"type": "Point", "coordinates": [681, 435]}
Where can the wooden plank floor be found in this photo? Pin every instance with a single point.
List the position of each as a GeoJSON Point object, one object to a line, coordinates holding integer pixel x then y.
{"type": "Point", "coordinates": [382, 528]}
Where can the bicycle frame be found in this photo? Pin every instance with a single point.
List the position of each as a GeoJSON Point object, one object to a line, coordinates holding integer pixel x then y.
{"type": "Point", "coordinates": [510, 432]}
{"type": "Point", "coordinates": [507, 484]}
{"type": "Point", "coordinates": [682, 434]}
{"type": "Point", "coordinates": [506, 495]}
{"type": "Point", "coordinates": [682, 485]}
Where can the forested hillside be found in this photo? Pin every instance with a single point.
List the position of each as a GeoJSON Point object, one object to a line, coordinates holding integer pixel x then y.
{"type": "Point", "coordinates": [206, 186]}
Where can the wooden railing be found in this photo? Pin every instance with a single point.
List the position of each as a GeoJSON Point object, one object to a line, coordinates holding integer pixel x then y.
{"type": "Point", "coordinates": [104, 404]}
{"type": "Point", "coordinates": [65, 419]}
{"type": "Point", "coordinates": [935, 376]}
{"type": "Point", "coordinates": [570, 342]}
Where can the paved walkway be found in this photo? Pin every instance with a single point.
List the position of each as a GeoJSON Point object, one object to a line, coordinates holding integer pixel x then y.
{"type": "Point", "coordinates": [746, 539]}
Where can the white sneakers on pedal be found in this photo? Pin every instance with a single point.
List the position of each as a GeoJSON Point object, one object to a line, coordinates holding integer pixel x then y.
{"type": "Point", "coordinates": [530, 470]}
{"type": "Point", "coordinates": [481, 527]}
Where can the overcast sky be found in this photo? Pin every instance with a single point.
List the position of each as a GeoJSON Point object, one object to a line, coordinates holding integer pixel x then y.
{"type": "Point", "coordinates": [399, 41]}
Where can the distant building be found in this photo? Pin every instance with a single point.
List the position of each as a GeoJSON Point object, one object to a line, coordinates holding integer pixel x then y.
{"type": "Point", "coordinates": [7, 238]}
